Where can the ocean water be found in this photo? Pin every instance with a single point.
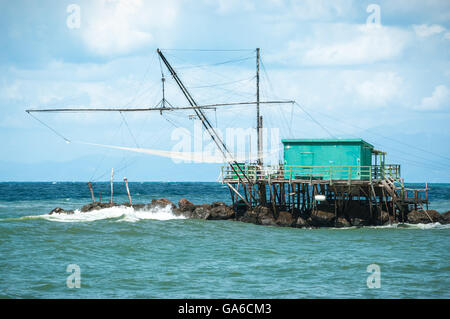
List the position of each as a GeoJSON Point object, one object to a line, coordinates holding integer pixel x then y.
{"type": "Point", "coordinates": [126, 254]}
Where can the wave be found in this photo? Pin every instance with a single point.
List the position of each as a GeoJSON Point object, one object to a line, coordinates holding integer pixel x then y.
{"type": "Point", "coordinates": [414, 226]}
{"type": "Point", "coordinates": [119, 213]}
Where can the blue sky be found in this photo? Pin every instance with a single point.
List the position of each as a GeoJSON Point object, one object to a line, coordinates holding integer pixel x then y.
{"type": "Point", "coordinates": [389, 84]}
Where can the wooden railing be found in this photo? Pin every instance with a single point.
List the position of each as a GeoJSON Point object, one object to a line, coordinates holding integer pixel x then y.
{"type": "Point", "coordinates": [292, 172]}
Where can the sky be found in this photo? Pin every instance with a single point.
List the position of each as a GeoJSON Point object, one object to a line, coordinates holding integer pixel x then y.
{"type": "Point", "coordinates": [377, 70]}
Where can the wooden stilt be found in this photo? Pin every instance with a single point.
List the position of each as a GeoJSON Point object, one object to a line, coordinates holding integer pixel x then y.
{"type": "Point", "coordinates": [112, 188]}
{"type": "Point", "coordinates": [128, 190]}
{"type": "Point", "coordinates": [92, 191]}
{"type": "Point", "coordinates": [272, 199]}
{"type": "Point", "coordinates": [237, 193]}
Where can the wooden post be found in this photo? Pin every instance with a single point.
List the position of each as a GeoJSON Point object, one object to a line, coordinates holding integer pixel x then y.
{"type": "Point", "coordinates": [128, 190]}
{"type": "Point", "coordinates": [272, 199]}
{"type": "Point", "coordinates": [92, 192]}
{"type": "Point", "coordinates": [112, 188]}
{"type": "Point", "coordinates": [308, 204]}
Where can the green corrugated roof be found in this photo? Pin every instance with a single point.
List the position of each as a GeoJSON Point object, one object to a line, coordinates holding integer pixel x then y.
{"type": "Point", "coordinates": [326, 140]}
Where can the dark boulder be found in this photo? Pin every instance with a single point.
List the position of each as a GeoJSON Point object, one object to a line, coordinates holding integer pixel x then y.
{"type": "Point", "coordinates": [301, 222]}
{"type": "Point", "coordinates": [390, 221]}
{"type": "Point", "coordinates": [163, 202]}
{"type": "Point", "coordinates": [423, 217]}
{"type": "Point", "coordinates": [185, 205]}
{"type": "Point", "coordinates": [250, 216]}
{"type": "Point", "coordinates": [285, 219]}
{"type": "Point", "coordinates": [359, 222]}
{"type": "Point", "coordinates": [138, 206]}
{"type": "Point", "coordinates": [265, 216]}
{"type": "Point", "coordinates": [267, 221]}
{"type": "Point", "coordinates": [201, 212]}
{"type": "Point", "coordinates": [342, 222]}
{"type": "Point", "coordinates": [221, 212]}
{"type": "Point", "coordinates": [446, 218]}
{"type": "Point", "coordinates": [59, 210]}
{"type": "Point", "coordinates": [95, 206]}
{"type": "Point", "coordinates": [356, 210]}
{"type": "Point", "coordinates": [322, 218]}
{"type": "Point", "coordinates": [217, 204]}
{"type": "Point", "coordinates": [384, 217]}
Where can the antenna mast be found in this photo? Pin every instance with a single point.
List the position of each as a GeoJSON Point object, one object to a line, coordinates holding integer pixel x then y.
{"type": "Point", "coordinates": [258, 118]}
{"type": "Point", "coordinates": [206, 123]}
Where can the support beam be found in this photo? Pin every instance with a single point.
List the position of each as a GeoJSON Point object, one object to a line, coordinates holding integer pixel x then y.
{"type": "Point", "coordinates": [237, 193]}
{"type": "Point", "coordinates": [146, 109]}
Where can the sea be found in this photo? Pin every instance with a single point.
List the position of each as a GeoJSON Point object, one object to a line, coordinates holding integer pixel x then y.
{"type": "Point", "coordinates": [121, 253]}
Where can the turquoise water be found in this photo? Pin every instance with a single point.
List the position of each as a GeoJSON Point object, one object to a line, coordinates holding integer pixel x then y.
{"type": "Point", "coordinates": [126, 254]}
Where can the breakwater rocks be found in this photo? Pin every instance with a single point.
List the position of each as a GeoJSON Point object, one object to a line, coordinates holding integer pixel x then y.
{"type": "Point", "coordinates": [322, 216]}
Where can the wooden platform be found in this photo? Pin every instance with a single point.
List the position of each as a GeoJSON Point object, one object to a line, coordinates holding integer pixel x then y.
{"type": "Point", "coordinates": [378, 190]}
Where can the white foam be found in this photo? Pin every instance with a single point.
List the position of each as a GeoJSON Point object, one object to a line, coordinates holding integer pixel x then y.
{"type": "Point", "coordinates": [121, 213]}
{"type": "Point", "coordinates": [415, 226]}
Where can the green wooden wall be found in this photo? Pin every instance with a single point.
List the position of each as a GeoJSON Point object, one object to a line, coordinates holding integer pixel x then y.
{"type": "Point", "coordinates": [327, 152]}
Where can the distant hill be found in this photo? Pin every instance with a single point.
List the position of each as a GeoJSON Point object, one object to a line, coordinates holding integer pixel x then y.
{"type": "Point", "coordinates": [138, 168]}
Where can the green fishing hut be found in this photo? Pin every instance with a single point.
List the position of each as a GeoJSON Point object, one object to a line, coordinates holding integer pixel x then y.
{"type": "Point", "coordinates": [329, 158]}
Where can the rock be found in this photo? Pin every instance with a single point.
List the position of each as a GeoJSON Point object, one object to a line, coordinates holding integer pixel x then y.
{"type": "Point", "coordinates": [355, 210]}
{"type": "Point", "coordinates": [445, 217]}
{"type": "Point", "coordinates": [216, 204]}
{"type": "Point", "coordinates": [59, 210]}
{"type": "Point", "coordinates": [185, 205]}
{"type": "Point", "coordinates": [421, 217]}
{"type": "Point", "coordinates": [342, 222]}
{"type": "Point", "coordinates": [359, 222]}
{"type": "Point", "coordinates": [267, 221]}
{"type": "Point", "coordinates": [322, 218]}
{"type": "Point", "coordinates": [95, 206]}
{"type": "Point", "coordinates": [201, 212]}
{"type": "Point", "coordinates": [221, 212]}
{"type": "Point", "coordinates": [285, 219]}
{"type": "Point", "coordinates": [300, 222]}
{"type": "Point", "coordinates": [263, 211]}
{"type": "Point", "coordinates": [390, 221]}
{"type": "Point", "coordinates": [265, 216]}
{"type": "Point", "coordinates": [240, 207]}
{"type": "Point", "coordinates": [163, 202]}
{"type": "Point", "coordinates": [138, 206]}
{"type": "Point", "coordinates": [250, 216]}
{"type": "Point", "coordinates": [384, 217]}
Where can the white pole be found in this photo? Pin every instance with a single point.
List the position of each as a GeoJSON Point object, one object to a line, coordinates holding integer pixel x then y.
{"type": "Point", "coordinates": [92, 192]}
{"type": "Point", "coordinates": [112, 189]}
{"type": "Point", "coordinates": [128, 190]}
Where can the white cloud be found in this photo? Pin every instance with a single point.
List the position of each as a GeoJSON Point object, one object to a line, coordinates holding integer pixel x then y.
{"type": "Point", "coordinates": [346, 44]}
{"type": "Point", "coordinates": [111, 27]}
{"type": "Point", "coordinates": [226, 6]}
{"type": "Point", "coordinates": [439, 99]}
{"type": "Point", "coordinates": [321, 9]}
{"type": "Point", "coordinates": [380, 88]}
{"type": "Point", "coordinates": [425, 30]}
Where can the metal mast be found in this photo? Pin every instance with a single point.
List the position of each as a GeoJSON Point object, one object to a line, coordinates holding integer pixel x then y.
{"type": "Point", "coordinates": [259, 162]}
{"type": "Point", "coordinates": [258, 119]}
{"type": "Point", "coordinates": [206, 123]}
